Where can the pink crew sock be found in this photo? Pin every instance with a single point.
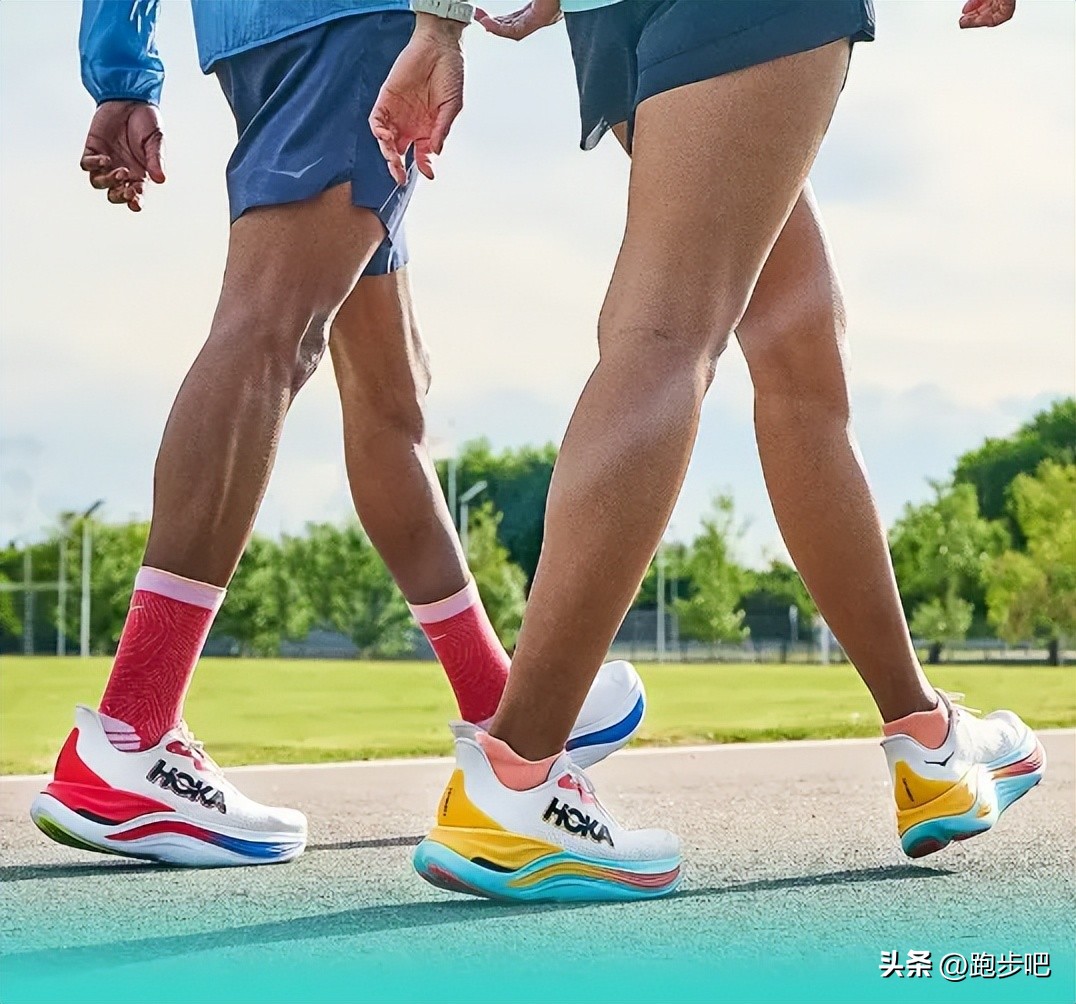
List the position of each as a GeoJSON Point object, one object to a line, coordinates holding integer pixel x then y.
{"type": "Point", "coordinates": [928, 728]}
{"type": "Point", "coordinates": [166, 627]}
{"type": "Point", "coordinates": [474, 660]}
{"type": "Point", "coordinates": [511, 769]}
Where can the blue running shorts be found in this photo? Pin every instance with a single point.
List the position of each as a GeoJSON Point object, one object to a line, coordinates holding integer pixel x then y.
{"type": "Point", "coordinates": [632, 50]}
{"type": "Point", "coordinates": [301, 106]}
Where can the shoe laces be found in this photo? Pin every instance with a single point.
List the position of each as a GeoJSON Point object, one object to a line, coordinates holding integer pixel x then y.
{"type": "Point", "coordinates": [583, 784]}
{"type": "Point", "coordinates": [580, 780]}
{"type": "Point", "coordinates": [197, 748]}
{"type": "Point", "coordinates": [954, 698]}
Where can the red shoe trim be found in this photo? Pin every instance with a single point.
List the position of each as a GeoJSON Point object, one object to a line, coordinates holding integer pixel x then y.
{"type": "Point", "coordinates": [104, 804]}
{"type": "Point", "coordinates": [81, 790]}
{"type": "Point", "coordinates": [1032, 762]}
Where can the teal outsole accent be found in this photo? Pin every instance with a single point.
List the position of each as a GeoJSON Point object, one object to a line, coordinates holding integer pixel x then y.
{"type": "Point", "coordinates": [441, 866]}
{"type": "Point", "coordinates": [934, 834]}
{"type": "Point", "coordinates": [997, 795]}
{"type": "Point", "coordinates": [1009, 789]}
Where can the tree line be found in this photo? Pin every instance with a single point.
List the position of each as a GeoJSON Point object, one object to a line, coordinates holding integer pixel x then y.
{"type": "Point", "coordinates": [992, 552]}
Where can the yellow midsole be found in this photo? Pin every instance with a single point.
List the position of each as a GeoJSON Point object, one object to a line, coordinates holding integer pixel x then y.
{"type": "Point", "coordinates": [509, 850]}
{"type": "Point", "coordinates": [954, 802]}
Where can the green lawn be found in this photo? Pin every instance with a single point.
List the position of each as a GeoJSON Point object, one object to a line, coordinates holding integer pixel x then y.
{"type": "Point", "coordinates": [279, 711]}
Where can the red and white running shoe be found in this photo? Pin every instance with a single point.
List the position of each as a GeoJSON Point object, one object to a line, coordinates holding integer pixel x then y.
{"type": "Point", "coordinates": [170, 803]}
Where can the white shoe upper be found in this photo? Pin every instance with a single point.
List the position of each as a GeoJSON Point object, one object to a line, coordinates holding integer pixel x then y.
{"type": "Point", "coordinates": [180, 774]}
{"type": "Point", "coordinates": [1000, 737]}
{"type": "Point", "coordinates": [614, 693]}
{"type": "Point", "coordinates": [563, 810]}
{"type": "Point", "coordinates": [609, 716]}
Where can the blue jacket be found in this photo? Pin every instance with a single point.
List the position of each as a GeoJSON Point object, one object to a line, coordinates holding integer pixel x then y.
{"type": "Point", "coordinates": [117, 38]}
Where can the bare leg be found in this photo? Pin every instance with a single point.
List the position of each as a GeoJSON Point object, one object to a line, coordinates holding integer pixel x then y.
{"type": "Point", "coordinates": [383, 375]}
{"type": "Point", "coordinates": [289, 268]}
{"type": "Point", "coordinates": [793, 336]}
{"type": "Point", "coordinates": [699, 230]}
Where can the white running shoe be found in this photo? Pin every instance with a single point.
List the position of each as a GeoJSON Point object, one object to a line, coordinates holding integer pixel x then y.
{"type": "Point", "coordinates": [170, 803]}
{"type": "Point", "coordinates": [960, 789]}
{"type": "Point", "coordinates": [610, 716]}
{"type": "Point", "coordinates": [552, 843]}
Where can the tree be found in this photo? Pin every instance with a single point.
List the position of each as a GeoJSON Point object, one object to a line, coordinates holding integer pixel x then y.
{"type": "Point", "coordinates": [10, 622]}
{"type": "Point", "coordinates": [942, 619]}
{"type": "Point", "coordinates": [517, 485]}
{"type": "Point", "coordinates": [117, 556]}
{"type": "Point", "coordinates": [769, 595]}
{"type": "Point", "coordinates": [265, 602]}
{"type": "Point", "coordinates": [940, 549]}
{"type": "Point", "coordinates": [675, 556]}
{"type": "Point", "coordinates": [1032, 593]}
{"type": "Point", "coordinates": [349, 590]}
{"type": "Point", "coordinates": [501, 583]}
{"type": "Point", "coordinates": [712, 613]}
{"type": "Point", "coordinates": [990, 469]}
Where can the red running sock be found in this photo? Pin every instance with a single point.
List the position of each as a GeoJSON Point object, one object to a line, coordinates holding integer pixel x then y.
{"type": "Point", "coordinates": [474, 660]}
{"type": "Point", "coordinates": [166, 627]}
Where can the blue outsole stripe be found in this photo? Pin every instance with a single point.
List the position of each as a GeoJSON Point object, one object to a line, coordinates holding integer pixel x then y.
{"type": "Point", "coordinates": [614, 733]}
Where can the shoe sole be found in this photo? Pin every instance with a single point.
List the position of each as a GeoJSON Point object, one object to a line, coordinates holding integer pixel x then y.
{"type": "Point", "coordinates": [592, 747]}
{"type": "Point", "coordinates": [553, 878]}
{"type": "Point", "coordinates": [166, 838]}
{"type": "Point", "coordinates": [996, 787]}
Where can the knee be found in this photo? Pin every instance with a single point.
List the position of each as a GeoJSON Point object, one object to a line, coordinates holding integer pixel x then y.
{"type": "Point", "coordinates": [276, 334]}
{"type": "Point", "coordinates": [399, 413]}
{"type": "Point", "coordinates": [796, 353]}
{"type": "Point", "coordinates": [665, 349]}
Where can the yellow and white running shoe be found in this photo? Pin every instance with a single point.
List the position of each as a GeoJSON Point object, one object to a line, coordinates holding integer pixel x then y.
{"type": "Point", "coordinates": [554, 842]}
{"type": "Point", "coordinates": [960, 789]}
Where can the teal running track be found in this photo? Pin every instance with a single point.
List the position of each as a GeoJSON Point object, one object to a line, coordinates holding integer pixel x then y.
{"type": "Point", "coordinates": [794, 883]}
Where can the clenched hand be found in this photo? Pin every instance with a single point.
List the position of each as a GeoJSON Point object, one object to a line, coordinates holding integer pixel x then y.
{"type": "Point", "coordinates": [123, 149]}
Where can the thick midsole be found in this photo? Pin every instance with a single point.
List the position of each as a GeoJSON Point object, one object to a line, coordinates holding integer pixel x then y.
{"type": "Point", "coordinates": [562, 876]}
{"type": "Point", "coordinates": [166, 837]}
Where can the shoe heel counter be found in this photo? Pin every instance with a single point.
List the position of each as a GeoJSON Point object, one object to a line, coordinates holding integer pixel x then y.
{"type": "Point", "coordinates": [69, 766]}
{"type": "Point", "coordinates": [455, 809]}
{"type": "Point", "coordinates": [920, 798]}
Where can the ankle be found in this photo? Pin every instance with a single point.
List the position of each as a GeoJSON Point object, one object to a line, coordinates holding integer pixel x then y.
{"type": "Point", "coordinates": [512, 770]}
{"type": "Point", "coordinates": [928, 727]}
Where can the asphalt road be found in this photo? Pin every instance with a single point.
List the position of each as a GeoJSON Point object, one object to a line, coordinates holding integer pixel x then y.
{"type": "Point", "coordinates": [791, 856]}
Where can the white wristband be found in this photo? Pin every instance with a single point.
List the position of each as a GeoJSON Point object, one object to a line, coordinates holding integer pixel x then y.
{"type": "Point", "coordinates": [452, 10]}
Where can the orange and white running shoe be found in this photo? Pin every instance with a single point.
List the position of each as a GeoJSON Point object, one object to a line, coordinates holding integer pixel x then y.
{"type": "Point", "coordinates": [960, 789]}
{"type": "Point", "coordinates": [554, 842]}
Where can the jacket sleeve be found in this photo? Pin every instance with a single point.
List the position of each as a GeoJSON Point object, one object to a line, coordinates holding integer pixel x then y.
{"type": "Point", "coordinates": [118, 50]}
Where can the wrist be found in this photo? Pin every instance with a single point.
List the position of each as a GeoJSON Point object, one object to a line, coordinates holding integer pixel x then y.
{"type": "Point", "coordinates": [438, 28]}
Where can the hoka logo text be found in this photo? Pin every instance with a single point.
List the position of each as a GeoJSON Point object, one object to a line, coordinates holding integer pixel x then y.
{"type": "Point", "coordinates": [570, 819]}
{"type": "Point", "coordinates": [174, 780]}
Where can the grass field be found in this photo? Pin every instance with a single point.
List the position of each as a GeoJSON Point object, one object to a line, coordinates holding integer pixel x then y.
{"type": "Point", "coordinates": [279, 711]}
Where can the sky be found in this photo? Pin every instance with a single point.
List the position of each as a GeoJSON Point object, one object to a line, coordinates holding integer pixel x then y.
{"type": "Point", "coordinates": [946, 183]}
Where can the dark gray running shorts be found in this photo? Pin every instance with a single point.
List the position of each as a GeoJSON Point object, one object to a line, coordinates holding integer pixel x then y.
{"type": "Point", "coordinates": [632, 50]}
{"type": "Point", "coordinates": [301, 106]}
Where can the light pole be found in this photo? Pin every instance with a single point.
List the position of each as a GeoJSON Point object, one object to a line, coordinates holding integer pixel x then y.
{"type": "Point", "coordinates": [87, 556]}
{"type": "Point", "coordinates": [661, 603]}
{"type": "Point", "coordinates": [675, 596]}
{"type": "Point", "coordinates": [445, 449]}
{"type": "Point", "coordinates": [61, 596]}
{"type": "Point", "coordinates": [28, 600]}
{"type": "Point", "coordinates": [465, 512]}
{"type": "Point", "coordinates": [453, 466]}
